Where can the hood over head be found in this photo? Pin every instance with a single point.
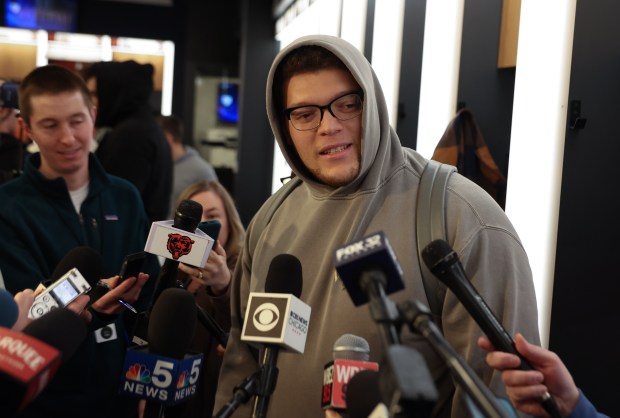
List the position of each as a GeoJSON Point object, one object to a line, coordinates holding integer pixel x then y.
{"type": "Point", "coordinates": [380, 144]}
{"type": "Point", "coordinates": [123, 88]}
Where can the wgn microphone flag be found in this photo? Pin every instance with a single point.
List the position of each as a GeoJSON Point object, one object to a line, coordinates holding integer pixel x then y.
{"type": "Point", "coordinates": [30, 359]}
{"type": "Point", "coordinates": [351, 354]}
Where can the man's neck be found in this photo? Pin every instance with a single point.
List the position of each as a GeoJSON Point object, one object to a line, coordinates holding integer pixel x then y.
{"type": "Point", "coordinates": [74, 180]}
{"type": "Point", "coordinates": [178, 150]}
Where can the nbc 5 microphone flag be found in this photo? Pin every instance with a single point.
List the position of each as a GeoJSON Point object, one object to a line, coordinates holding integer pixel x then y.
{"type": "Point", "coordinates": [160, 379]}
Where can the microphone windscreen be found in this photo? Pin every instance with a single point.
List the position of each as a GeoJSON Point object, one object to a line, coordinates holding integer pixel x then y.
{"type": "Point", "coordinates": [351, 347]}
{"type": "Point", "coordinates": [8, 309]}
{"type": "Point", "coordinates": [435, 252]}
{"type": "Point", "coordinates": [61, 328]}
{"type": "Point", "coordinates": [88, 261]}
{"type": "Point", "coordinates": [284, 275]}
{"type": "Point", "coordinates": [363, 393]}
{"type": "Point", "coordinates": [171, 323]}
{"type": "Point", "coordinates": [188, 215]}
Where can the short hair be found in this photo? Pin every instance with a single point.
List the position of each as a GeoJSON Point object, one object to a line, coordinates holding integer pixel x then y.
{"type": "Point", "coordinates": [173, 125]}
{"type": "Point", "coordinates": [50, 79]}
{"type": "Point", "coordinates": [305, 59]}
{"type": "Point", "coordinates": [236, 231]}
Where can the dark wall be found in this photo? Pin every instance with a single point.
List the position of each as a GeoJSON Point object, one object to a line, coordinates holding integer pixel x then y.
{"type": "Point", "coordinates": [410, 72]}
{"type": "Point", "coordinates": [256, 141]}
{"type": "Point", "coordinates": [585, 313]}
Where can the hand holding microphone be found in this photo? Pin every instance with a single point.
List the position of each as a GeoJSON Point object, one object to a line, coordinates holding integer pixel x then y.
{"type": "Point", "coordinates": [444, 263]}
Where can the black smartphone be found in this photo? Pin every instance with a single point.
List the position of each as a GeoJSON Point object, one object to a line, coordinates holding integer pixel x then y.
{"type": "Point", "coordinates": [211, 228]}
{"type": "Point", "coordinates": [132, 265]}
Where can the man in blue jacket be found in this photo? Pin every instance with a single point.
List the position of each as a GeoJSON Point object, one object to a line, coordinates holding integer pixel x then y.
{"type": "Point", "coordinates": [63, 200]}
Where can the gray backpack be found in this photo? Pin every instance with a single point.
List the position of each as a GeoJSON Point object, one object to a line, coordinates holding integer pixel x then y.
{"type": "Point", "coordinates": [430, 222]}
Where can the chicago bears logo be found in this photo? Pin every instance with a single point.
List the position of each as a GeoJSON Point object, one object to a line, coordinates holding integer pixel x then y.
{"type": "Point", "coordinates": [179, 245]}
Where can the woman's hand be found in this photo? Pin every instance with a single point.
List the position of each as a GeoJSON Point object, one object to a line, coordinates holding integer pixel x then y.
{"type": "Point", "coordinates": [214, 274]}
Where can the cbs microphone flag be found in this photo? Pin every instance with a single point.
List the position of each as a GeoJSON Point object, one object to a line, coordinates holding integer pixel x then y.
{"type": "Point", "coordinates": [191, 248]}
{"type": "Point", "coordinates": [276, 318]}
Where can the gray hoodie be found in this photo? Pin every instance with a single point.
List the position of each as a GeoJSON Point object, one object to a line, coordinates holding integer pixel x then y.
{"type": "Point", "coordinates": [314, 219]}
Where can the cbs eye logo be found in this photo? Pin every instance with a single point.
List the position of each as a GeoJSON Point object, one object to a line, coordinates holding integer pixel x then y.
{"type": "Point", "coordinates": [266, 317]}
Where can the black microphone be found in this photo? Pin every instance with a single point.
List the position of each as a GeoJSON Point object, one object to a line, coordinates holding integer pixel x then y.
{"type": "Point", "coordinates": [364, 396]}
{"type": "Point", "coordinates": [418, 317]}
{"type": "Point", "coordinates": [89, 263]}
{"type": "Point", "coordinates": [444, 263]}
{"type": "Point", "coordinates": [30, 359]}
{"type": "Point", "coordinates": [173, 375]}
{"type": "Point", "coordinates": [273, 320]}
{"type": "Point", "coordinates": [8, 309]}
{"type": "Point", "coordinates": [369, 270]}
{"type": "Point", "coordinates": [283, 277]}
{"type": "Point", "coordinates": [187, 217]}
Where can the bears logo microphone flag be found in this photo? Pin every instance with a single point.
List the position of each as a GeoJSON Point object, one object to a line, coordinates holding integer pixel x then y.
{"type": "Point", "coordinates": [190, 248]}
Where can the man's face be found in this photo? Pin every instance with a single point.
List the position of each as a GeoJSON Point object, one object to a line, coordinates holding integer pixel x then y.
{"type": "Point", "coordinates": [62, 126]}
{"type": "Point", "coordinates": [332, 151]}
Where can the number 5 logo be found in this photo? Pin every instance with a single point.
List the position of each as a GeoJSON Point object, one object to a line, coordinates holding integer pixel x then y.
{"type": "Point", "coordinates": [162, 378]}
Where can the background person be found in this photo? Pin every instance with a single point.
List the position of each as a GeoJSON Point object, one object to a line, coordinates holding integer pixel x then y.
{"type": "Point", "coordinates": [133, 146]}
{"type": "Point", "coordinates": [64, 199]}
{"type": "Point", "coordinates": [211, 286]}
{"type": "Point", "coordinates": [189, 167]}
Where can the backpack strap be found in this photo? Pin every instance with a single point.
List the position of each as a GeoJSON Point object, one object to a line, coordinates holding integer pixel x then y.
{"type": "Point", "coordinates": [431, 225]}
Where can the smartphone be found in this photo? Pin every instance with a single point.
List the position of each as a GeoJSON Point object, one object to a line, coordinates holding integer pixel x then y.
{"type": "Point", "coordinates": [132, 265]}
{"type": "Point", "coordinates": [60, 293]}
{"type": "Point", "coordinates": [211, 228]}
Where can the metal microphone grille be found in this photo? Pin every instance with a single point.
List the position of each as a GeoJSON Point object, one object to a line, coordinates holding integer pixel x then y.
{"type": "Point", "coordinates": [351, 347]}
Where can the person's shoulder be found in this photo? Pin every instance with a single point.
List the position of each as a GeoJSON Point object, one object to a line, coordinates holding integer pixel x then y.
{"type": "Point", "coordinates": [121, 185]}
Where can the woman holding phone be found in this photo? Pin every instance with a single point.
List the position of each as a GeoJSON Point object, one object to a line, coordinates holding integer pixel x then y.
{"type": "Point", "coordinates": [210, 285]}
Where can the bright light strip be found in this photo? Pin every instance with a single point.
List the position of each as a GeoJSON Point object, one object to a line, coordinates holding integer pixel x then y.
{"type": "Point", "coordinates": [537, 140]}
{"type": "Point", "coordinates": [137, 45]}
{"type": "Point", "coordinates": [106, 48]}
{"type": "Point", "coordinates": [443, 27]}
{"type": "Point", "coordinates": [17, 36]}
{"type": "Point", "coordinates": [387, 49]}
{"type": "Point", "coordinates": [42, 45]}
{"type": "Point", "coordinates": [168, 78]}
{"type": "Point", "coordinates": [353, 24]}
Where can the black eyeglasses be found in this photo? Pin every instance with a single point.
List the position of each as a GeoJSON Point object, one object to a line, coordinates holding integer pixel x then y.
{"type": "Point", "coordinates": [308, 117]}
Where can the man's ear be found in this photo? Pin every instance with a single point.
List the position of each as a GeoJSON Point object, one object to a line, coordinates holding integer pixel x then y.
{"type": "Point", "coordinates": [24, 127]}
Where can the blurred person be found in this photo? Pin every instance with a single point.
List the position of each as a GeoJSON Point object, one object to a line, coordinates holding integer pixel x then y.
{"type": "Point", "coordinates": [211, 286]}
{"type": "Point", "coordinates": [353, 178]}
{"type": "Point", "coordinates": [133, 146]}
{"type": "Point", "coordinates": [526, 387]}
{"type": "Point", "coordinates": [64, 199]}
{"type": "Point", "coordinates": [12, 149]}
{"type": "Point", "coordinates": [189, 167]}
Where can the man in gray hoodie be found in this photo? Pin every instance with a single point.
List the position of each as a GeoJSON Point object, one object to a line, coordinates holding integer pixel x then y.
{"type": "Point", "coordinates": [353, 178]}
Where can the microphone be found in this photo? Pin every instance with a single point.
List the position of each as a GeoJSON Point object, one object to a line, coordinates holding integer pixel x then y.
{"type": "Point", "coordinates": [29, 359]}
{"type": "Point", "coordinates": [163, 373]}
{"type": "Point", "coordinates": [275, 319]}
{"type": "Point", "coordinates": [369, 270]}
{"type": "Point", "coordinates": [364, 396]}
{"type": "Point", "coordinates": [278, 319]}
{"type": "Point", "coordinates": [186, 218]}
{"type": "Point", "coordinates": [444, 263]}
{"type": "Point", "coordinates": [8, 309]}
{"type": "Point", "coordinates": [351, 354]}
